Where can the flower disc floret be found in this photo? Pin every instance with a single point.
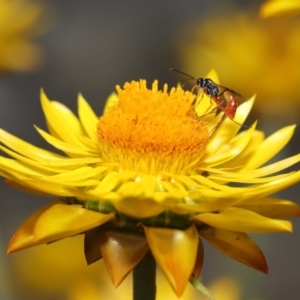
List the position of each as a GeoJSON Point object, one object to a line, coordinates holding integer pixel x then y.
{"type": "Point", "coordinates": [152, 131]}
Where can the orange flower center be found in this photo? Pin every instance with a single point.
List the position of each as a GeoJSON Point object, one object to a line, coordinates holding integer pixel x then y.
{"type": "Point", "coordinates": [152, 131]}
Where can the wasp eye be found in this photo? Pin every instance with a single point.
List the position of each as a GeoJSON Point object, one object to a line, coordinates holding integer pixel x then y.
{"type": "Point", "coordinates": [200, 82]}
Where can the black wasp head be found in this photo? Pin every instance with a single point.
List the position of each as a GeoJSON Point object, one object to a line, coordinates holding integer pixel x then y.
{"type": "Point", "coordinates": [201, 82]}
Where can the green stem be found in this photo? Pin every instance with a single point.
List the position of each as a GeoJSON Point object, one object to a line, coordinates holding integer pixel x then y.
{"type": "Point", "coordinates": [144, 275]}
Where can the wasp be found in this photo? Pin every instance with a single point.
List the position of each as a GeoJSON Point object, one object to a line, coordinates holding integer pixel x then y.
{"type": "Point", "coordinates": [226, 99]}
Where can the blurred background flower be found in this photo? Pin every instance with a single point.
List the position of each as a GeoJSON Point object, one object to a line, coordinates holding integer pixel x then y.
{"type": "Point", "coordinates": [275, 8]}
{"type": "Point", "coordinates": [98, 44]}
{"type": "Point", "coordinates": [20, 25]}
{"type": "Point", "coordinates": [228, 288]}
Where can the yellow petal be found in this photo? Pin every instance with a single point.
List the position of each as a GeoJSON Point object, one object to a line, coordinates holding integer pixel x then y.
{"type": "Point", "coordinates": [149, 182]}
{"type": "Point", "coordinates": [32, 164]}
{"type": "Point", "coordinates": [146, 207]}
{"type": "Point", "coordinates": [74, 177]}
{"type": "Point", "coordinates": [92, 245]}
{"type": "Point", "coordinates": [188, 181]}
{"type": "Point", "coordinates": [91, 194]}
{"type": "Point", "coordinates": [272, 207]}
{"type": "Point", "coordinates": [55, 221]}
{"type": "Point", "coordinates": [213, 75]}
{"type": "Point", "coordinates": [87, 117]}
{"type": "Point", "coordinates": [238, 219]}
{"type": "Point", "coordinates": [72, 163]}
{"type": "Point", "coordinates": [24, 188]}
{"type": "Point", "coordinates": [252, 175]}
{"type": "Point", "coordinates": [110, 102]}
{"type": "Point", "coordinates": [175, 189]}
{"type": "Point", "coordinates": [208, 206]}
{"type": "Point", "coordinates": [108, 183]}
{"type": "Point", "coordinates": [256, 139]}
{"type": "Point", "coordinates": [28, 149]}
{"type": "Point", "coordinates": [175, 252]}
{"type": "Point", "coordinates": [47, 160]}
{"type": "Point", "coordinates": [50, 188]}
{"type": "Point", "coordinates": [38, 186]}
{"type": "Point", "coordinates": [199, 260]}
{"type": "Point", "coordinates": [264, 190]}
{"type": "Point", "coordinates": [131, 189]}
{"type": "Point", "coordinates": [15, 168]}
{"type": "Point", "coordinates": [160, 197]}
{"type": "Point", "coordinates": [214, 185]}
{"type": "Point", "coordinates": [240, 178]}
{"type": "Point", "coordinates": [63, 123]}
{"type": "Point", "coordinates": [121, 253]}
{"type": "Point", "coordinates": [230, 150]}
{"type": "Point", "coordinates": [269, 147]}
{"type": "Point", "coordinates": [273, 168]}
{"type": "Point", "coordinates": [66, 147]}
{"type": "Point", "coordinates": [236, 245]}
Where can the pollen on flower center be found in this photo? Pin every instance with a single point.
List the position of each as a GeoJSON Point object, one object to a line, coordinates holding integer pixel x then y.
{"type": "Point", "coordinates": [152, 131]}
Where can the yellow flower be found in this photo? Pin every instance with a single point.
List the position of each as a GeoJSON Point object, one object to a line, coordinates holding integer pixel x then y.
{"type": "Point", "coordinates": [19, 27]}
{"type": "Point", "coordinates": [274, 8]}
{"type": "Point", "coordinates": [263, 60]}
{"type": "Point", "coordinates": [226, 288]}
{"type": "Point", "coordinates": [153, 173]}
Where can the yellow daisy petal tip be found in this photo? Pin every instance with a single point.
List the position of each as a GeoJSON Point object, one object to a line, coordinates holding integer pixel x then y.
{"type": "Point", "coordinates": [237, 245]}
{"type": "Point", "coordinates": [128, 250]}
{"type": "Point", "coordinates": [169, 248]}
{"type": "Point", "coordinates": [286, 226]}
{"type": "Point", "coordinates": [43, 96]}
{"type": "Point", "coordinates": [111, 101]}
{"type": "Point", "coordinates": [42, 92]}
{"type": "Point", "coordinates": [24, 236]}
{"type": "Point", "coordinates": [56, 221]}
{"type": "Point", "coordinates": [213, 75]}
{"type": "Point", "coordinates": [20, 242]}
{"type": "Point", "coordinates": [238, 219]}
{"type": "Point", "coordinates": [80, 98]}
{"type": "Point", "coordinates": [252, 98]}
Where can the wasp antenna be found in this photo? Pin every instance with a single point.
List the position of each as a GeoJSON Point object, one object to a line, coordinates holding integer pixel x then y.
{"type": "Point", "coordinates": [175, 70]}
{"type": "Point", "coordinates": [166, 70]}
